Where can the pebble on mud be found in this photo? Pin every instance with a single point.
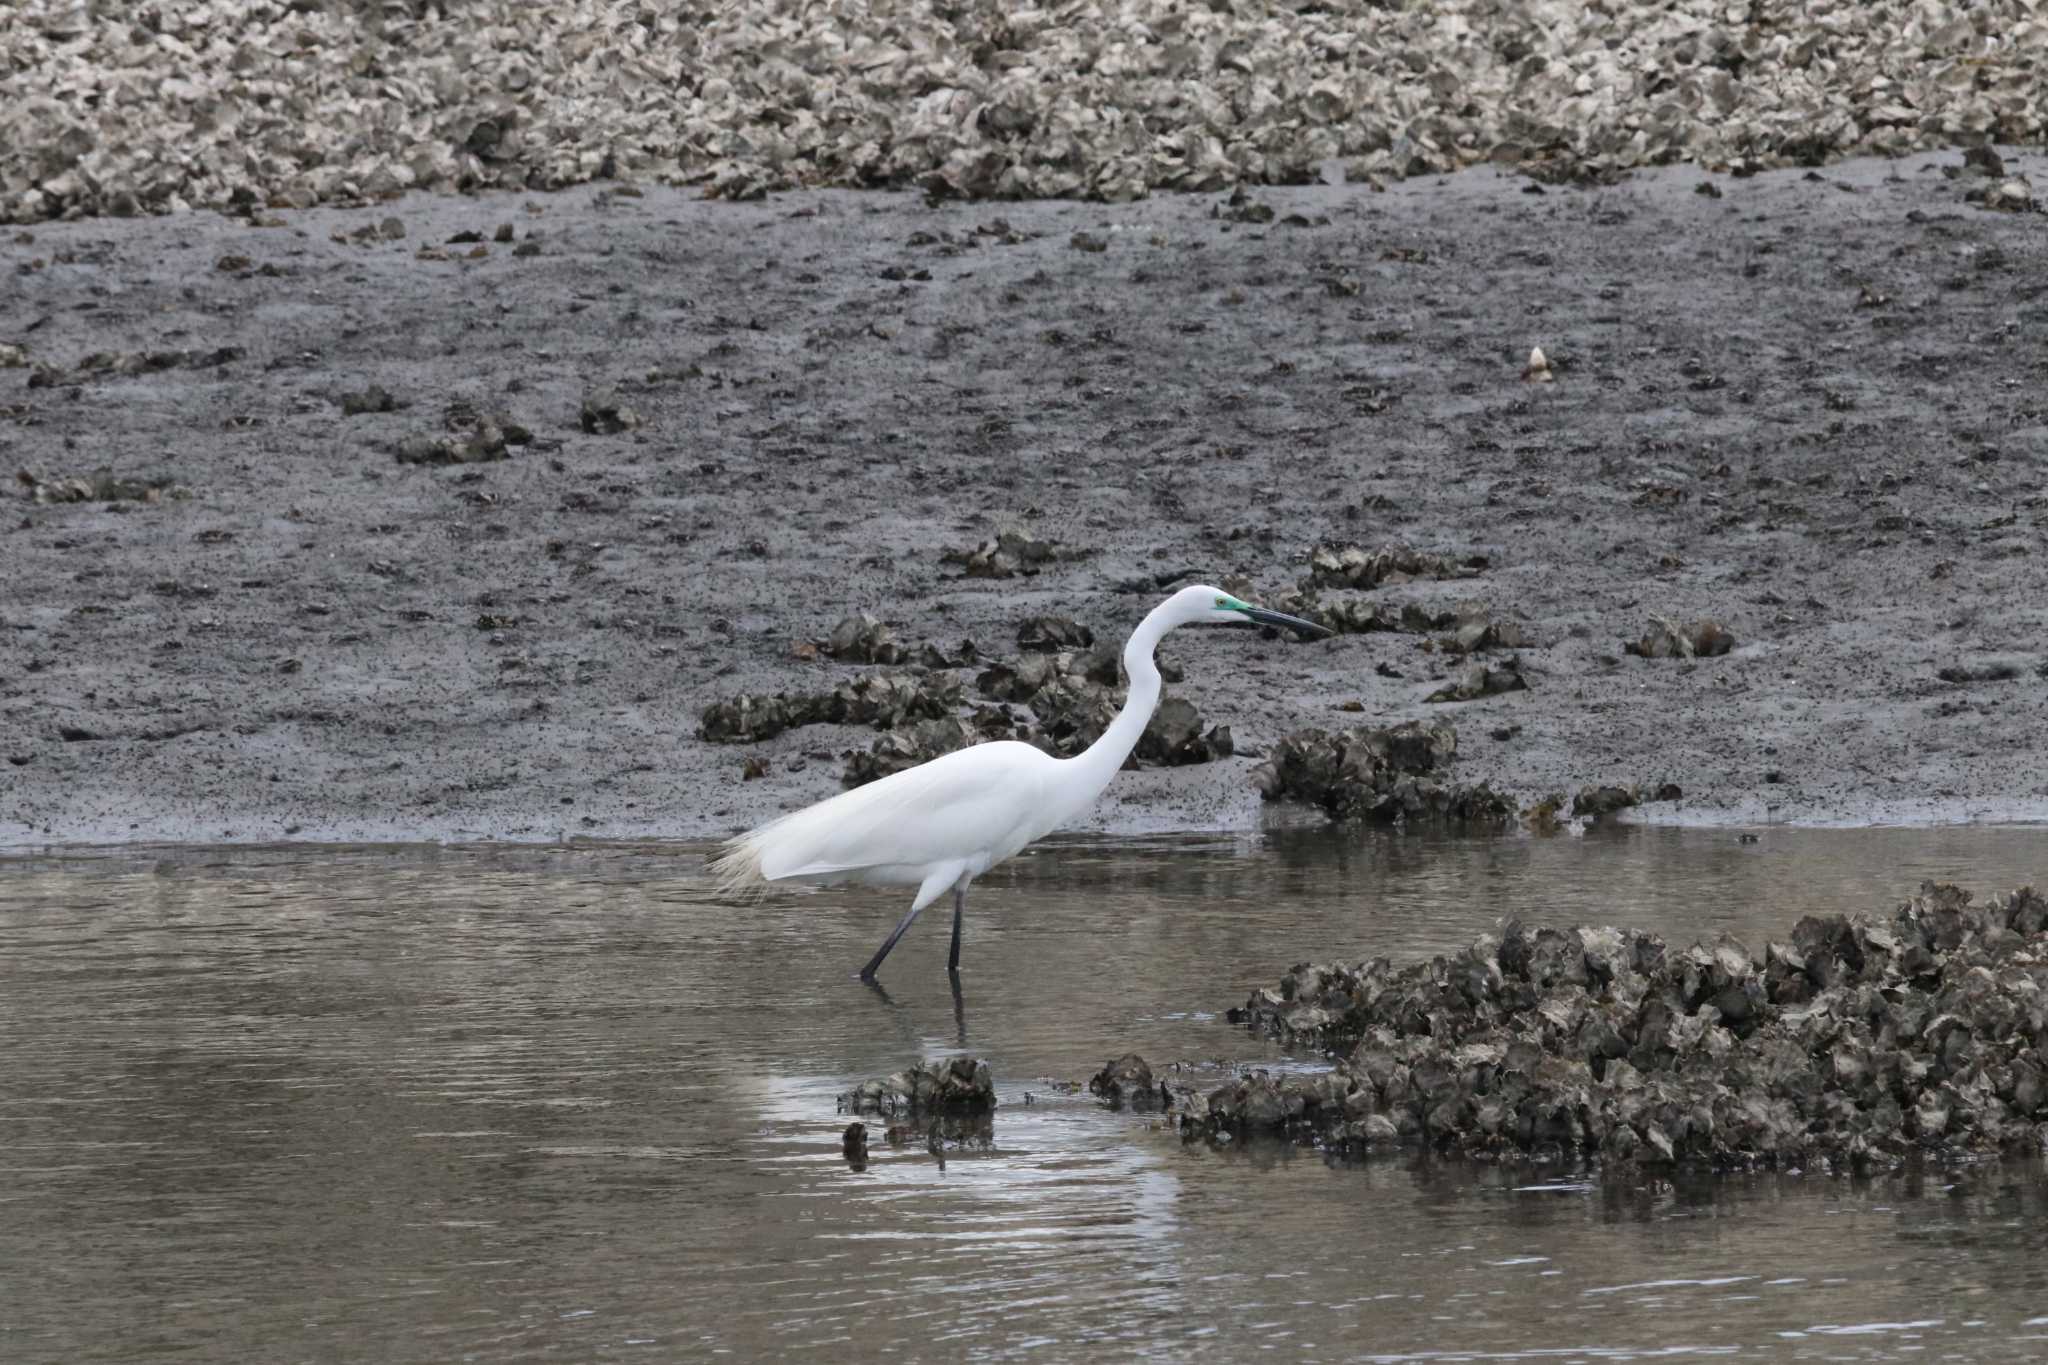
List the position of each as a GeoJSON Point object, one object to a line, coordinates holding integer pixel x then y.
{"type": "Point", "coordinates": [861, 639]}
{"type": "Point", "coordinates": [1668, 640]}
{"type": "Point", "coordinates": [604, 415]}
{"type": "Point", "coordinates": [1010, 554]}
{"type": "Point", "coordinates": [907, 748]}
{"type": "Point", "coordinates": [480, 444]}
{"type": "Point", "coordinates": [1482, 680]}
{"type": "Point", "coordinates": [1855, 1043]}
{"type": "Point", "coordinates": [100, 486]}
{"type": "Point", "coordinates": [955, 1085]}
{"type": "Point", "coordinates": [1351, 615]}
{"type": "Point", "coordinates": [1074, 698]}
{"type": "Point", "coordinates": [372, 399]}
{"type": "Point", "coordinates": [1997, 670]}
{"type": "Point", "coordinates": [1385, 776]}
{"type": "Point", "coordinates": [1477, 630]}
{"type": "Point", "coordinates": [886, 700]}
{"type": "Point", "coordinates": [1597, 803]}
{"type": "Point", "coordinates": [1353, 566]}
{"type": "Point", "coordinates": [1050, 634]}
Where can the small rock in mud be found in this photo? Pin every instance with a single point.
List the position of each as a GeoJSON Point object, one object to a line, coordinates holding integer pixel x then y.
{"type": "Point", "coordinates": [1049, 634]}
{"type": "Point", "coordinates": [480, 444]}
{"type": "Point", "coordinates": [861, 639]}
{"type": "Point", "coordinates": [1361, 616]}
{"type": "Point", "coordinates": [955, 1085]}
{"type": "Point", "coordinates": [1477, 630]}
{"type": "Point", "coordinates": [930, 655]}
{"type": "Point", "coordinates": [884, 700]}
{"type": "Point", "coordinates": [604, 415]}
{"type": "Point", "coordinates": [126, 363]}
{"type": "Point", "coordinates": [1352, 566]}
{"type": "Point", "coordinates": [1997, 670]}
{"type": "Point", "coordinates": [1127, 1082]}
{"type": "Point", "coordinates": [906, 748]}
{"type": "Point", "coordinates": [100, 486]}
{"type": "Point", "coordinates": [2014, 194]}
{"type": "Point", "coordinates": [1022, 680]}
{"type": "Point", "coordinates": [1074, 698]}
{"type": "Point", "coordinates": [373, 399]}
{"type": "Point", "coordinates": [1544, 817]}
{"type": "Point", "coordinates": [1597, 803]}
{"type": "Point", "coordinates": [1482, 680]}
{"type": "Point", "coordinates": [1668, 640]}
{"type": "Point", "coordinates": [1386, 776]}
{"type": "Point", "coordinates": [1858, 1041]}
{"type": "Point", "coordinates": [1010, 554]}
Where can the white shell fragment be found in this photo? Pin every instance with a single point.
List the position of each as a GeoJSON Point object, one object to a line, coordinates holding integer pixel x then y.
{"type": "Point", "coordinates": [241, 104]}
{"type": "Point", "coordinates": [1537, 371]}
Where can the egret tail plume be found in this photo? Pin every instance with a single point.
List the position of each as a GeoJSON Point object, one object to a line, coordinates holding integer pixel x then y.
{"type": "Point", "coordinates": [737, 870]}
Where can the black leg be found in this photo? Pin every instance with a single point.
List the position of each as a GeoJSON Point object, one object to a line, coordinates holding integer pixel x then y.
{"type": "Point", "coordinates": [867, 973]}
{"type": "Point", "coordinates": [959, 909]}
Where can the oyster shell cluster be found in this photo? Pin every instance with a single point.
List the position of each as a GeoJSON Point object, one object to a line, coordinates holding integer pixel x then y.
{"type": "Point", "coordinates": [239, 104]}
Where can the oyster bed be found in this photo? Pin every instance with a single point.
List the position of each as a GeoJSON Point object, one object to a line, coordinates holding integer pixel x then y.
{"type": "Point", "coordinates": [1856, 1042]}
{"type": "Point", "coordinates": [240, 105]}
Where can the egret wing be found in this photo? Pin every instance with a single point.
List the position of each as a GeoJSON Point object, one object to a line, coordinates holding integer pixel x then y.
{"type": "Point", "coordinates": [962, 803]}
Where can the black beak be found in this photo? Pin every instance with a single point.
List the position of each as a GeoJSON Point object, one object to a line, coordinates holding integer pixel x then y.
{"type": "Point", "coordinates": [1307, 629]}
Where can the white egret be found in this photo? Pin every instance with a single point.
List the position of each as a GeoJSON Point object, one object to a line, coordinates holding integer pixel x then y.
{"type": "Point", "coordinates": [940, 825]}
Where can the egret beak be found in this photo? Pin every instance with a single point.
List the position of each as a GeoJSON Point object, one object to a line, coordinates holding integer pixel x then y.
{"type": "Point", "coordinates": [1307, 629]}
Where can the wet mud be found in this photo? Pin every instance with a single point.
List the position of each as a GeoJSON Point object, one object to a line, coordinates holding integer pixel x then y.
{"type": "Point", "coordinates": [459, 517]}
{"type": "Point", "coordinates": [1854, 1044]}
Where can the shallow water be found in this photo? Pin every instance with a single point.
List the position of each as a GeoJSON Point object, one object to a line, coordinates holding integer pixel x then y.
{"type": "Point", "coordinates": [499, 1103]}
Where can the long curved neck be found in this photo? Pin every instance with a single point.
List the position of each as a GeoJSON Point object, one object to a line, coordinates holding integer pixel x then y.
{"type": "Point", "coordinates": [1099, 762]}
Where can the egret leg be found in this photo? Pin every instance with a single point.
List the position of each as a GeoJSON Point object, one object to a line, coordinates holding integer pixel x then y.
{"type": "Point", "coordinates": [934, 886]}
{"type": "Point", "coordinates": [867, 973]}
{"type": "Point", "coordinates": [959, 909]}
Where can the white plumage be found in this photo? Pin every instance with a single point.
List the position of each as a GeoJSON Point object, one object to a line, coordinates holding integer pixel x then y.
{"type": "Point", "coordinates": [940, 825]}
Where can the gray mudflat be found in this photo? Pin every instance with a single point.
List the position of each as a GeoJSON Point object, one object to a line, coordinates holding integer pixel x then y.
{"type": "Point", "coordinates": [1812, 408]}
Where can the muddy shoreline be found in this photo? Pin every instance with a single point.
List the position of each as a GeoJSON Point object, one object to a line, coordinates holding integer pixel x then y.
{"type": "Point", "coordinates": [1806, 405]}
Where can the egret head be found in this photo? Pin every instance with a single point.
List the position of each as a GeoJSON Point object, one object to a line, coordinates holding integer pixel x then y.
{"type": "Point", "coordinates": [1204, 605]}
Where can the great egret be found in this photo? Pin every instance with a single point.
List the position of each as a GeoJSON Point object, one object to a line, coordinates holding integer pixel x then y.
{"type": "Point", "coordinates": [940, 825]}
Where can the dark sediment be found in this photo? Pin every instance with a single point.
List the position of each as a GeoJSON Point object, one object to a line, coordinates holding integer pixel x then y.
{"type": "Point", "coordinates": [1859, 1041]}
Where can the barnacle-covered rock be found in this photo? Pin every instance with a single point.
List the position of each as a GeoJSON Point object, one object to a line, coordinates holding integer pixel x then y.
{"type": "Point", "coordinates": [906, 748]}
{"type": "Point", "coordinates": [1353, 566]}
{"type": "Point", "coordinates": [885, 700]}
{"type": "Point", "coordinates": [956, 1085]}
{"type": "Point", "coordinates": [1386, 776]}
{"type": "Point", "coordinates": [1671, 640]}
{"type": "Point", "coordinates": [1127, 1082]}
